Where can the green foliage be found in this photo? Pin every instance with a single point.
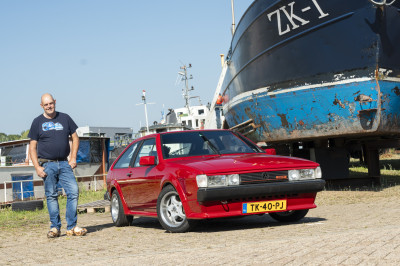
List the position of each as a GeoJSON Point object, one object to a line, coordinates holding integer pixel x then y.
{"type": "Point", "coordinates": [4, 137]}
{"type": "Point", "coordinates": [10, 219]}
{"type": "Point", "coordinates": [24, 134]}
{"type": "Point", "coordinates": [389, 165]}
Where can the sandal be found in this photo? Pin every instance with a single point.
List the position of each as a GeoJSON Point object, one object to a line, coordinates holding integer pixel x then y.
{"type": "Point", "coordinates": [77, 231]}
{"type": "Point", "coordinates": [53, 233]}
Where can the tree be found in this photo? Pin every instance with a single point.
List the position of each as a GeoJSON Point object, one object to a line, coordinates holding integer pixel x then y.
{"type": "Point", "coordinates": [13, 137]}
{"type": "Point", "coordinates": [24, 134]}
{"type": "Point", "coordinates": [4, 137]}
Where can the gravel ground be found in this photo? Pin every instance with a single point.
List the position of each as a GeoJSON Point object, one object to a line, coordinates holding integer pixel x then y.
{"type": "Point", "coordinates": [347, 228]}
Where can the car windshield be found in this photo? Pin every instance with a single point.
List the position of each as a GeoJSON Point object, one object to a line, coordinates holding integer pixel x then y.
{"type": "Point", "coordinates": [197, 143]}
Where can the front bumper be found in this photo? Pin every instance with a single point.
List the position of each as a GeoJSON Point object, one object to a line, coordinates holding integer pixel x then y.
{"type": "Point", "coordinates": [259, 190]}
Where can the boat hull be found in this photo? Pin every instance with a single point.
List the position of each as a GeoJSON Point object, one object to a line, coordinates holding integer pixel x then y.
{"type": "Point", "coordinates": [311, 69]}
{"type": "Point", "coordinates": [353, 108]}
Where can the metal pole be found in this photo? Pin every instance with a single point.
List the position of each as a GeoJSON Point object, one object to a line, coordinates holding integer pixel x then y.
{"type": "Point", "coordinates": [145, 110]}
{"type": "Point", "coordinates": [103, 161]}
{"type": "Point", "coordinates": [147, 120]}
{"type": "Point", "coordinates": [22, 192]}
{"type": "Point", "coordinates": [187, 90]}
{"type": "Point", "coordinates": [5, 191]}
{"type": "Point", "coordinates": [233, 18]}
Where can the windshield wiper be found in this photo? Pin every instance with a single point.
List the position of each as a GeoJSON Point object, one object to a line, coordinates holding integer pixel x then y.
{"type": "Point", "coordinates": [206, 140]}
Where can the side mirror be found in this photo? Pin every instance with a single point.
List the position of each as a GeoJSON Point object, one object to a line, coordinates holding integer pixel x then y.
{"type": "Point", "coordinates": [270, 151]}
{"type": "Point", "coordinates": [147, 160]}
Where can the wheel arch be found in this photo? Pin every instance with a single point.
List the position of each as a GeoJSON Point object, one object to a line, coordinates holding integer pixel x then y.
{"type": "Point", "coordinates": [114, 186]}
{"type": "Point", "coordinates": [179, 189]}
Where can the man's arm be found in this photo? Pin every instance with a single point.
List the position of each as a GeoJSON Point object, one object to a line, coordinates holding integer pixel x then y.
{"type": "Point", "coordinates": [74, 150]}
{"type": "Point", "coordinates": [33, 153]}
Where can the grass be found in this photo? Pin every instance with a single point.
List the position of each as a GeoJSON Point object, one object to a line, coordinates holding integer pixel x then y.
{"type": "Point", "coordinates": [14, 219]}
{"type": "Point", "coordinates": [389, 165]}
{"type": "Point", "coordinates": [389, 188]}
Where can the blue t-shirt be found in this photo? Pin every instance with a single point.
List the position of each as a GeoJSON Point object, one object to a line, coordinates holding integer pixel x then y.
{"type": "Point", "coordinates": [52, 135]}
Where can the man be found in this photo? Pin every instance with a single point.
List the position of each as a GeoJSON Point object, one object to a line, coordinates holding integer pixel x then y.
{"type": "Point", "coordinates": [49, 149]}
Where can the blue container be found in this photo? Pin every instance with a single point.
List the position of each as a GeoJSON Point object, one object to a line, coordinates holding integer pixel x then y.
{"type": "Point", "coordinates": [27, 186]}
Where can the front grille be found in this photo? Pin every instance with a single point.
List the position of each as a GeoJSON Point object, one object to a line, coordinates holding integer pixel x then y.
{"type": "Point", "coordinates": [263, 177]}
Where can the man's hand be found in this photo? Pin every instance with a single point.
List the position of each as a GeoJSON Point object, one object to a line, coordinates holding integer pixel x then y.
{"type": "Point", "coordinates": [72, 163]}
{"type": "Point", "coordinates": [40, 172]}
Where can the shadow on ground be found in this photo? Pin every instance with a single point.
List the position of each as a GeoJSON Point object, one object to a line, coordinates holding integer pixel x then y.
{"type": "Point", "coordinates": [226, 224]}
{"type": "Point", "coordinates": [361, 182]}
{"type": "Point", "coordinates": [250, 222]}
{"type": "Point", "coordinates": [95, 228]}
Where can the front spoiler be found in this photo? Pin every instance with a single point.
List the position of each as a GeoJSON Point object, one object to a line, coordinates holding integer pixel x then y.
{"type": "Point", "coordinates": [259, 190]}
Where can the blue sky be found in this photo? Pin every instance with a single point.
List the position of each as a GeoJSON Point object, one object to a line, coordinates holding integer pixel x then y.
{"type": "Point", "coordinates": [96, 57]}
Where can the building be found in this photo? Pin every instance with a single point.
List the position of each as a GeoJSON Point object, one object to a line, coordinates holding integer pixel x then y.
{"type": "Point", "coordinates": [18, 178]}
{"type": "Point", "coordinates": [119, 136]}
{"type": "Point", "coordinates": [194, 117]}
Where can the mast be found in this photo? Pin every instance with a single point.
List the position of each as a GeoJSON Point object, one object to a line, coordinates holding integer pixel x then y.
{"type": "Point", "coordinates": [186, 90]}
{"type": "Point", "coordinates": [145, 103]}
{"type": "Point", "coordinates": [233, 18]}
{"type": "Point", "coordinates": [145, 110]}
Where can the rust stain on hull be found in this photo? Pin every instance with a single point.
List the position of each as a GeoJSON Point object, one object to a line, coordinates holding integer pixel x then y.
{"type": "Point", "coordinates": [284, 121]}
{"type": "Point", "coordinates": [396, 91]}
{"type": "Point", "coordinates": [338, 102]}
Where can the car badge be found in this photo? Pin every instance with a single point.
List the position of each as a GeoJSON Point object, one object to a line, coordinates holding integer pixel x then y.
{"type": "Point", "coordinates": [265, 175]}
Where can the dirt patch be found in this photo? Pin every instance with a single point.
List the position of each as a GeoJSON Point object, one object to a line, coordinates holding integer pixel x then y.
{"type": "Point", "coordinates": [348, 227]}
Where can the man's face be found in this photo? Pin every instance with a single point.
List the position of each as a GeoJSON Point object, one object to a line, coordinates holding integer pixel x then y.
{"type": "Point", "coordinates": [49, 105]}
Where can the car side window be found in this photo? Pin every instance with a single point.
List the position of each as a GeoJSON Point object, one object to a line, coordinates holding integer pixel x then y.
{"type": "Point", "coordinates": [126, 157]}
{"type": "Point", "coordinates": [148, 149]}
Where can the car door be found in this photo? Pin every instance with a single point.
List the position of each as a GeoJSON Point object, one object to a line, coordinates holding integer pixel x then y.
{"type": "Point", "coordinates": [146, 179]}
{"type": "Point", "coordinates": [122, 171]}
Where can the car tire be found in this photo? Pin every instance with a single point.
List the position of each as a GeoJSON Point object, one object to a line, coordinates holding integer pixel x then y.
{"type": "Point", "coordinates": [117, 211]}
{"type": "Point", "coordinates": [31, 205]}
{"type": "Point", "coordinates": [170, 212]}
{"type": "Point", "coordinates": [289, 216]}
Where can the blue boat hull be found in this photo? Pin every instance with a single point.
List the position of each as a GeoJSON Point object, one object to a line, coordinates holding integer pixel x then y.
{"type": "Point", "coordinates": [310, 69]}
{"type": "Point", "coordinates": [350, 109]}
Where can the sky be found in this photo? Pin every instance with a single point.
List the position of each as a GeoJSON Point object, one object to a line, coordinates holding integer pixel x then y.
{"type": "Point", "coordinates": [97, 56]}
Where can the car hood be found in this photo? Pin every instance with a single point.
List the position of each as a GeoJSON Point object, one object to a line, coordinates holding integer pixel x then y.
{"type": "Point", "coordinates": [245, 162]}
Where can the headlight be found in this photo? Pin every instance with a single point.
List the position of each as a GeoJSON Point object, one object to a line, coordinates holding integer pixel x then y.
{"type": "Point", "coordinates": [201, 180]}
{"type": "Point", "coordinates": [318, 172]}
{"type": "Point", "coordinates": [233, 180]}
{"type": "Point", "coordinates": [305, 174]}
{"type": "Point", "coordinates": [217, 180]}
{"type": "Point", "coordinates": [294, 175]}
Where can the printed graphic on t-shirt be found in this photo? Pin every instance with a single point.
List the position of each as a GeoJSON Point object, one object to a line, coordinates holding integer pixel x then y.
{"type": "Point", "coordinates": [51, 126]}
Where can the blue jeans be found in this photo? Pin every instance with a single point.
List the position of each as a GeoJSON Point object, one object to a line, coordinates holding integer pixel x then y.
{"type": "Point", "coordinates": [61, 173]}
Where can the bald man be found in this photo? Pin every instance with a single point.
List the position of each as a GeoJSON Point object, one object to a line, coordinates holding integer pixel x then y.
{"type": "Point", "coordinates": [54, 160]}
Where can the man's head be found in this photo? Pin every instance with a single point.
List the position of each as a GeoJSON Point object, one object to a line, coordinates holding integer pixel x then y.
{"type": "Point", "coordinates": [49, 105]}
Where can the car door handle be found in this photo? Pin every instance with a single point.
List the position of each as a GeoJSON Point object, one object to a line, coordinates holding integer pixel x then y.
{"type": "Point", "coordinates": [129, 174]}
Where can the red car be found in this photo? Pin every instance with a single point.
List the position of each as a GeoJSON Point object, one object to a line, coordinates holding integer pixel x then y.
{"type": "Point", "coordinates": [181, 177]}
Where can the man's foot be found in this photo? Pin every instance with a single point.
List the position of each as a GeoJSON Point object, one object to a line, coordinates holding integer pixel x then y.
{"type": "Point", "coordinates": [77, 231]}
{"type": "Point", "coordinates": [53, 233]}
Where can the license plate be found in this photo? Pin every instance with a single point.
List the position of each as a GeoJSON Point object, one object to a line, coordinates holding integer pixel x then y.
{"type": "Point", "coordinates": [264, 206]}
